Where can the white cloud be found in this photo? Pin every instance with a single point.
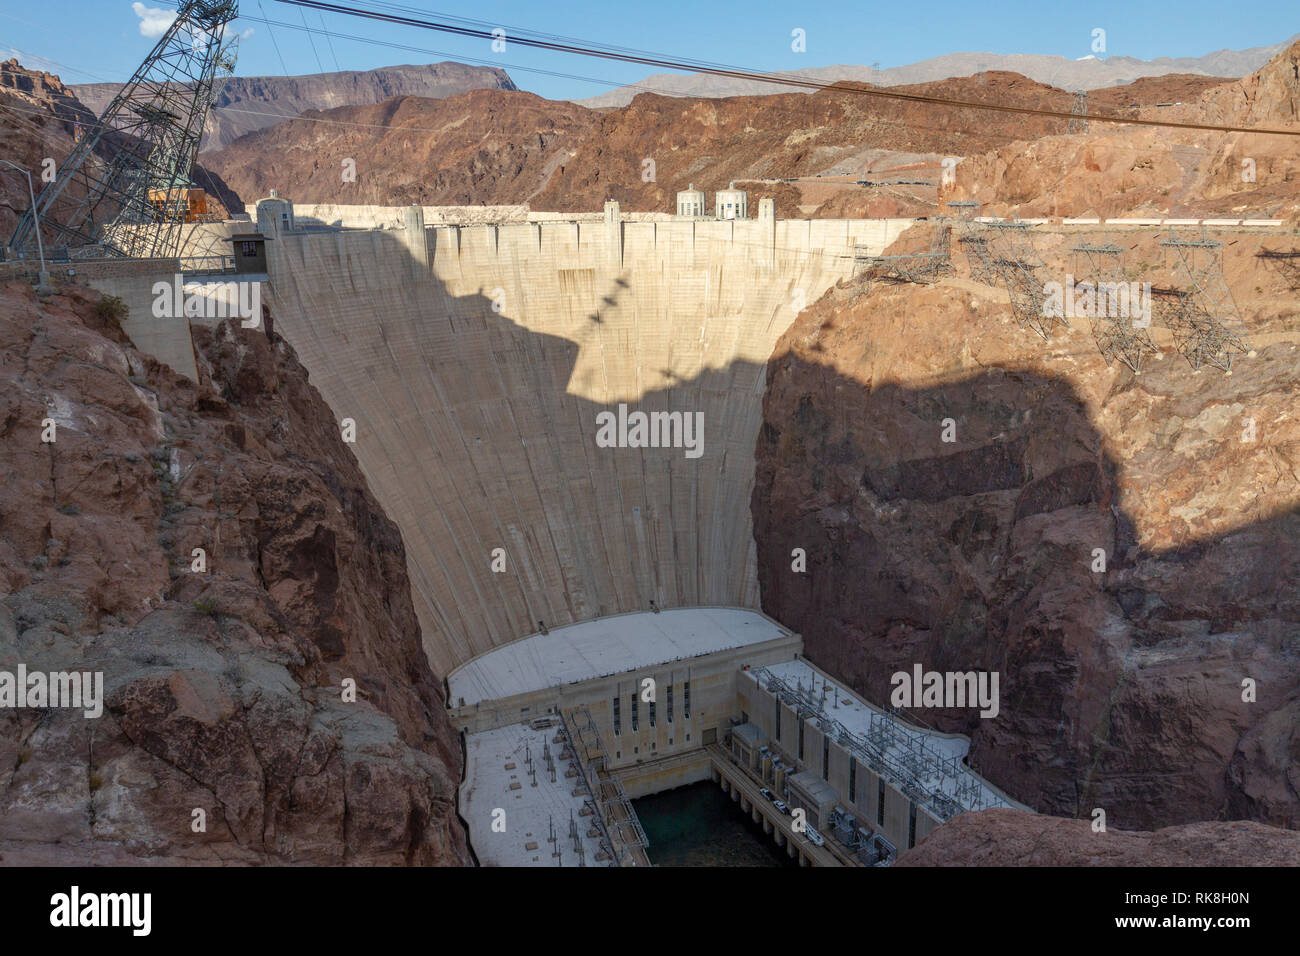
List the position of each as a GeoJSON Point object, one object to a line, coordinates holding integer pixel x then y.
{"type": "Point", "coordinates": [246, 34]}
{"type": "Point", "coordinates": [153, 21]}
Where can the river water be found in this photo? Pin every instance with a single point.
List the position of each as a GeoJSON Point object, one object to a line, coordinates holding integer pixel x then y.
{"type": "Point", "coordinates": [698, 825]}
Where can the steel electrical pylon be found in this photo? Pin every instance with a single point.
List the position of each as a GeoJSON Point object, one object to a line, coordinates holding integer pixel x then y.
{"type": "Point", "coordinates": [1116, 335]}
{"type": "Point", "coordinates": [1203, 316]}
{"type": "Point", "coordinates": [1013, 259]}
{"type": "Point", "coordinates": [125, 185]}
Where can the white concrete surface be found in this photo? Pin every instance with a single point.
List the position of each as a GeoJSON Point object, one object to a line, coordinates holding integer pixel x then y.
{"type": "Point", "coordinates": [497, 778]}
{"type": "Point", "coordinates": [611, 645]}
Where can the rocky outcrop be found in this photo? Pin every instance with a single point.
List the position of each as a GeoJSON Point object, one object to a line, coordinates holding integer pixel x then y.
{"type": "Point", "coordinates": [1117, 171]}
{"type": "Point", "coordinates": [1086, 73]}
{"type": "Point", "coordinates": [225, 683]}
{"type": "Point", "coordinates": [245, 104]}
{"type": "Point", "coordinates": [488, 147]}
{"type": "Point", "coordinates": [1123, 689]}
{"type": "Point", "coordinates": [38, 120]}
{"type": "Point", "coordinates": [1009, 838]}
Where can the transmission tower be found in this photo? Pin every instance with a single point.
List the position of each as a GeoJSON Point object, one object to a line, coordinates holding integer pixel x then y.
{"type": "Point", "coordinates": [1013, 259]}
{"type": "Point", "coordinates": [1078, 122]}
{"type": "Point", "coordinates": [974, 241]}
{"type": "Point", "coordinates": [126, 184]}
{"type": "Point", "coordinates": [1205, 317]}
{"type": "Point", "coordinates": [1116, 335]}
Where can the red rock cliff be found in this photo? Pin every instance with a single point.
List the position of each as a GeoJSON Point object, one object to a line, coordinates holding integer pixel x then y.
{"type": "Point", "coordinates": [1120, 690]}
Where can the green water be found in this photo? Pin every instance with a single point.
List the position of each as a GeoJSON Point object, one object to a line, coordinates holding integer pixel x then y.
{"type": "Point", "coordinates": [698, 825]}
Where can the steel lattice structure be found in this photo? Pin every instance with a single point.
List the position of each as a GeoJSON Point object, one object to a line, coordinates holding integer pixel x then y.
{"type": "Point", "coordinates": [974, 242]}
{"type": "Point", "coordinates": [1116, 335]}
{"type": "Point", "coordinates": [1078, 122]}
{"type": "Point", "coordinates": [1014, 260]}
{"type": "Point", "coordinates": [1003, 253]}
{"type": "Point", "coordinates": [919, 267]}
{"type": "Point", "coordinates": [125, 185]}
{"type": "Point", "coordinates": [1203, 315]}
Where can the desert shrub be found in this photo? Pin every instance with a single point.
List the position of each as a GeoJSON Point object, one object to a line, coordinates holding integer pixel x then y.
{"type": "Point", "coordinates": [111, 310]}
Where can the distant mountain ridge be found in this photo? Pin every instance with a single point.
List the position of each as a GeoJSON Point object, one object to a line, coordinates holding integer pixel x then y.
{"type": "Point", "coordinates": [248, 103]}
{"type": "Point", "coordinates": [1089, 73]}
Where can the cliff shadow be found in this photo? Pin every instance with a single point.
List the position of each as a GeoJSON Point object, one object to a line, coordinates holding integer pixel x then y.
{"type": "Point", "coordinates": [1120, 689]}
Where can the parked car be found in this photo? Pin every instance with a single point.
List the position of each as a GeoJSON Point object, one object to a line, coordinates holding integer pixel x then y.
{"type": "Point", "coordinates": [780, 805]}
{"type": "Point", "coordinates": [767, 793]}
{"type": "Point", "coordinates": [815, 837]}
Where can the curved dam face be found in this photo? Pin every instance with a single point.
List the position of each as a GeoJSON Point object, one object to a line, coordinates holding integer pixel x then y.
{"type": "Point", "coordinates": [494, 375]}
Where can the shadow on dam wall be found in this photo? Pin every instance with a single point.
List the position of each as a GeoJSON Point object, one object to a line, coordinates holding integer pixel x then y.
{"type": "Point", "coordinates": [476, 397]}
{"type": "Point", "coordinates": [1119, 690]}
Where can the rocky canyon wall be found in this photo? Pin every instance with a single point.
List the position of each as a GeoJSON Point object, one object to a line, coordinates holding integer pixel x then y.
{"type": "Point", "coordinates": [225, 736]}
{"type": "Point", "coordinates": [1122, 689]}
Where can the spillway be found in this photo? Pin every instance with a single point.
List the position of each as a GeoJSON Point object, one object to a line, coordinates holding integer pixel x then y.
{"type": "Point", "coordinates": [475, 361]}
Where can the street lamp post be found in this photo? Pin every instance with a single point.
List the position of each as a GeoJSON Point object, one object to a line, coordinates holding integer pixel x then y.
{"type": "Point", "coordinates": [43, 283]}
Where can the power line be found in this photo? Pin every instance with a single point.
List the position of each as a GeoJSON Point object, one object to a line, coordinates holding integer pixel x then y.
{"type": "Point", "coordinates": [312, 40]}
{"type": "Point", "coordinates": [329, 39]}
{"type": "Point", "coordinates": [275, 43]}
{"type": "Point", "coordinates": [609, 53]}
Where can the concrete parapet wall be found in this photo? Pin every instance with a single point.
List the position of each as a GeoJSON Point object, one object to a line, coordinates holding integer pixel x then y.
{"type": "Point", "coordinates": [475, 374]}
{"type": "Point", "coordinates": [390, 217]}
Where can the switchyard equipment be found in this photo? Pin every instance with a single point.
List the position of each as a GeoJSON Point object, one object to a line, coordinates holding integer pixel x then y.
{"type": "Point", "coordinates": [927, 775]}
{"type": "Point", "coordinates": [1116, 336]}
{"type": "Point", "coordinates": [127, 185]}
{"type": "Point", "coordinates": [1203, 316]}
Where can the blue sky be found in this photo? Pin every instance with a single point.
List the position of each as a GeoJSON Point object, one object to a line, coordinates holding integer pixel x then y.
{"type": "Point", "coordinates": [91, 40]}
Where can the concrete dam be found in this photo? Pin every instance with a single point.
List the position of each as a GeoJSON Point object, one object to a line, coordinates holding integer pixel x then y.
{"type": "Point", "coordinates": [561, 417]}
{"type": "Point", "coordinates": [476, 362]}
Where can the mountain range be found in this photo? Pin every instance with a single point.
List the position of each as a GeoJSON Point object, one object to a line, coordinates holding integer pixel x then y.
{"type": "Point", "coordinates": [245, 104]}
{"type": "Point", "coordinates": [1088, 73]}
